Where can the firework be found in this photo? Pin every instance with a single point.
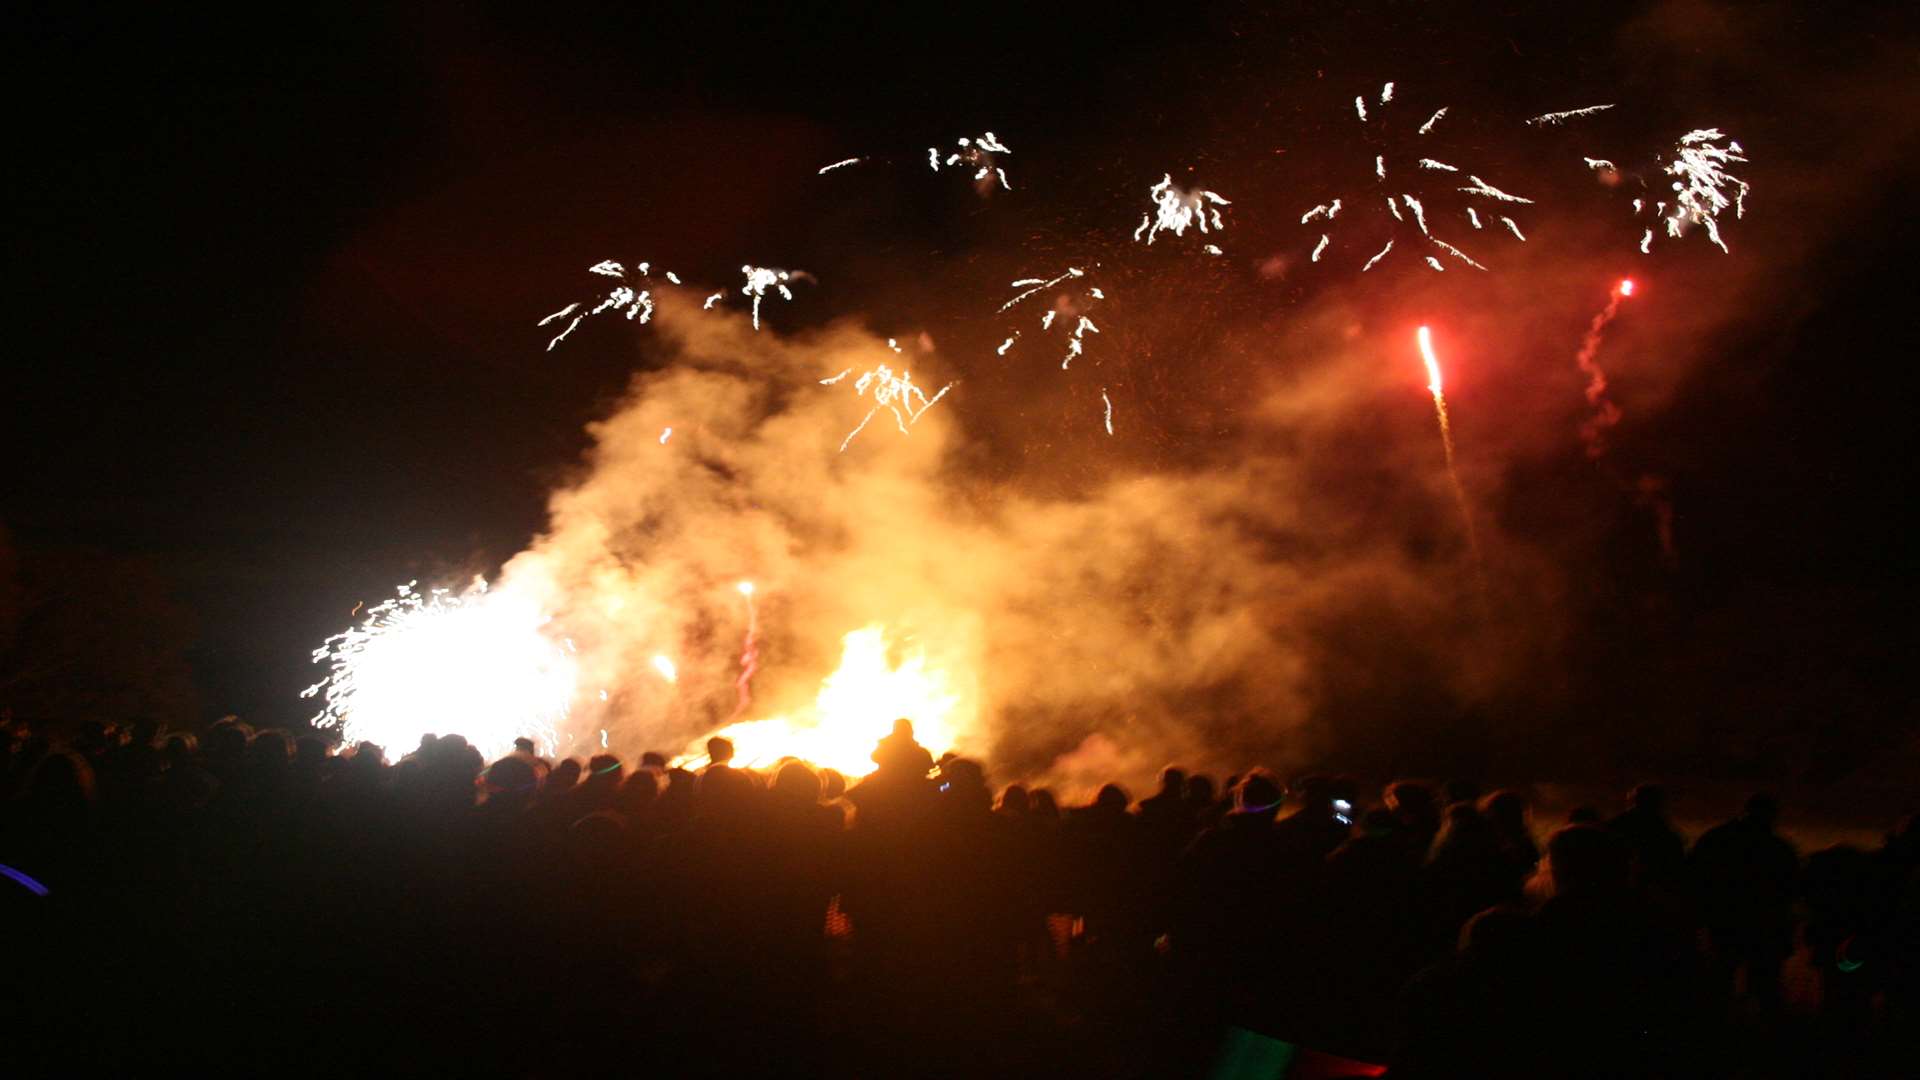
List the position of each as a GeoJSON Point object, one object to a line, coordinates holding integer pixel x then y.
{"type": "Point", "coordinates": [759, 280]}
{"type": "Point", "coordinates": [665, 666]}
{"type": "Point", "coordinates": [1108, 402]}
{"type": "Point", "coordinates": [976, 154]}
{"type": "Point", "coordinates": [478, 662]}
{"type": "Point", "coordinates": [1416, 208]}
{"type": "Point", "coordinates": [1701, 186]}
{"type": "Point", "coordinates": [1175, 210]}
{"type": "Point", "coordinates": [665, 434]}
{"type": "Point", "coordinates": [749, 652]}
{"type": "Point", "coordinates": [1556, 118]}
{"type": "Point", "coordinates": [841, 165]}
{"type": "Point", "coordinates": [1425, 339]}
{"type": "Point", "coordinates": [1074, 307]}
{"type": "Point", "coordinates": [1593, 431]}
{"type": "Point", "coordinates": [895, 393]}
{"type": "Point", "coordinates": [637, 304]}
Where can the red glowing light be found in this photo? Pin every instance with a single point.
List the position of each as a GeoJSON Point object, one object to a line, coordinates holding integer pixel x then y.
{"type": "Point", "coordinates": [1626, 286]}
{"type": "Point", "coordinates": [1425, 337]}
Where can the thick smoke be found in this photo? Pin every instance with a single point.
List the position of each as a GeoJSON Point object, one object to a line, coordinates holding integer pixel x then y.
{"type": "Point", "coordinates": [1239, 610]}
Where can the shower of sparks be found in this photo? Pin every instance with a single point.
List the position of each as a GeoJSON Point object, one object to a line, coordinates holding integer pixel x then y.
{"type": "Point", "coordinates": [1075, 341]}
{"type": "Point", "coordinates": [636, 303]}
{"type": "Point", "coordinates": [1593, 430]}
{"type": "Point", "coordinates": [1108, 402]}
{"type": "Point", "coordinates": [1425, 338]}
{"type": "Point", "coordinates": [666, 668]}
{"type": "Point", "coordinates": [759, 280]}
{"type": "Point", "coordinates": [1701, 186]}
{"type": "Point", "coordinates": [1007, 344]}
{"type": "Point", "coordinates": [478, 662]}
{"type": "Point", "coordinates": [1425, 211]}
{"type": "Point", "coordinates": [1600, 164]}
{"type": "Point", "coordinates": [1073, 308]}
{"type": "Point", "coordinates": [712, 300]}
{"type": "Point", "coordinates": [1554, 118]}
{"type": "Point", "coordinates": [1175, 210]}
{"type": "Point", "coordinates": [977, 154]}
{"type": "Point", "coordinates": [1039, 285]}
{"type": "Point", "coordinates": [841, 165]}
{"type": "Point", "coordinates": [895, 393]}
{"type": "Point", "coordinates": [665, 434]}
{"type": "Point", "coordinates": [749, 652]}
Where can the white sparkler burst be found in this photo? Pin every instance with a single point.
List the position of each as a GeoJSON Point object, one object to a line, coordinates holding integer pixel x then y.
{"type": "Point", "coordinates": [480, 663]}
{"type": "Point", "coordinates": [1554, 118]}
{"type": "Point", "coordinates": [1175, 210]}
{"type": "Point", "coordinates": [1600, 164]}
{"type": "Point", "coordinates": [976, 154]}
{"type": "Point", "coordinates": [1413, 208]}
{"type": "Point", "coordinates": [1701, 186]}
{"type": "Point", "coordinates": [895, 393]}
{"type": "Point", "coordinates": [637, 304]}
{"type": "Point", "coordinates": [1071, 306]}
{"type": "Point", "coordinates": [762, 278]}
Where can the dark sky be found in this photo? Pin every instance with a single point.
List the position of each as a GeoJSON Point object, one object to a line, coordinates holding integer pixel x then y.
{"type": "Point", "coordinates": [275, 280]}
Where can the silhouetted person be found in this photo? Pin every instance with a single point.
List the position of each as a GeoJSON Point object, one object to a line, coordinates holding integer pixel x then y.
{"type": "Point", "coordinates": [1660, 856]}
{"type": "Point", "coordinates": [1746, 877]}
{"type": "Point", "coordinates": [1417, 809]}
{"type": "Point", "coordinates": [1476, 1014]}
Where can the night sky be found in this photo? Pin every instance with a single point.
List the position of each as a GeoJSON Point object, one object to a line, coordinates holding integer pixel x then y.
{"type": "Point", "coordinates": [275, 282]}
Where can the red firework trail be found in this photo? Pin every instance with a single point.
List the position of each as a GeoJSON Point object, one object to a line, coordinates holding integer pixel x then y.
{"type": "Point", "coordinates": [1593, 430]}
{"type": "Point", "coordinates": [1425, 338]}
{"type": "Point", "coordinates": [749, 652]}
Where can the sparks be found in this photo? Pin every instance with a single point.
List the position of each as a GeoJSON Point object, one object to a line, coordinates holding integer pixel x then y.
{"type": "Point", "coordinates": [665, 434]}
{"type": "Point", "coordinates": [1700, 186]}
{"type": "Point", "coordinates": [1482, 188]}
{"type": "Point", "coordinates": [1594, 429]}
{"type": "Point", "coordinates": [1174, 210]}
{"type": "Point", "coordinates": [1320, 247]}
{"type": "Point", "coordinates": [1554, 118]}
{"type": "Point", "coordinates": [637, 304]}
{"type": "Point", "coordinates": [749, 652]}
{"type": "Point", "coordinates": [1425, 339]}
{"type": "Point", "coordinates": [977, 154]}
{"type": "Point", "coordinates": [840, 165]}
{"type": "Point", "coordinates": [1109, 404]}
{"type": "Point", "coordinates": [762, 278]}
{"type": "Point", "coordinates": [1432, 120]}
{"type": "Point", "coordinates": [1038, 285]}
{"type": "Point", "coordinates": [895, 393]}
{"type": "Point", "coordinates": [1600, 164]}
{"type": "Point", "coordinates": [666, 668]}
{"type": "Point", "coordinates": [477, 662]}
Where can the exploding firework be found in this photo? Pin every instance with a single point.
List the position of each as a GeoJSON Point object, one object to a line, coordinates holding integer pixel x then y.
{"type": "Point", "coordinates": [759, 280]}
{"type": "Point", "coordinates": [1400, 194]}
{"type": "Point", "coordinates": [895, 393]}
{"type": "Point", "coordinates": [1554, 119]}
{"type": "Point", "coordinates": [978, 155]}
{"type": "Point", "coordinates": [636, 304]}
{"type": "Point", "coordinates": [1425, 339]}
{"type": "Point", "coordinates": [1175, 210]}
{"type": "Point", "coordinates": [1593, 431]}
{"type": "Point", "coordinates": [479, 663]}
{"type": "Point", "coordinates": [854, 709]}
{"type": "Point", "coordinates": [1701, 187]}
{"type": "Point", "coordinates": [1069, 312]}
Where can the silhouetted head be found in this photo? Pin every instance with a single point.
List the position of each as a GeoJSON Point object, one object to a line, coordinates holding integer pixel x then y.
{"type": "Point", "coordinates": [60, 785]}
{"type": "Point", "coordinates": [1461, 790]}
{"type": "Point", "coordinates": [1414, 804]}
{"type": "Point", "coordinates": [1173, 781]}
{"type": "Point", "coordinates": [1315, 794]}
{"type": "Point", "coordinates": [963, 783]}
{"type": "Point", "coordinates": [1200, 790]}
{"type": "Point", "coordinates": [833, 784]}
{"type": "Point", "coordinates": [1587, 860]}
{"type": "Point", "coordinates": [1044, 805]}
{"type": "Point", "coordinates": [1111, 799]}
{"type": "Point", "coordinates": [719, 750]}
{"type": "Point", "coordinates": [903, 728]}
{"type": "Point", "coordinates": [1258, 793]}
{"type": "Point", "coordinates": [604, 770]}
{"type": "Point", "coordinates": [509, 781]}
{"type": "Point", "coordinates": [1499, 935]}
{"type": "Point", "coordinates": [638, 790]}
{"type": "Point", "coordinates": [796, 784]}
{"type": "Point", "coordinates": [523, 745]}
{"type": "Point", "coordinates": [565, 774]}
{"type": "Point", "coordinates": [1505, 809]}
{"type": "Point", "coordinates": [178, 749]}
{"type": "Point", "coordinates": [653, 759]}
{"type": "Point", "coordinates": [1013, 801]}
{"type": "Point", "coordinates": [1762, 810]}
{"type": "Point", "coordinates": [1648, 799]}
{"type": "Point", "coordinates": [309, 753]}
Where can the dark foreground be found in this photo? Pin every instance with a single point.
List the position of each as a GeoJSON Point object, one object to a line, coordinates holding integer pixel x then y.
{"type": "Point", "coordinates": [255, 904]}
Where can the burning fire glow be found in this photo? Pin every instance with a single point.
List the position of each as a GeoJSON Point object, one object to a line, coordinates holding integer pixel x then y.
{"type": "Point", "coordinates": [478, 664]}
{"type": "Point", "coordinates": [855, 709]}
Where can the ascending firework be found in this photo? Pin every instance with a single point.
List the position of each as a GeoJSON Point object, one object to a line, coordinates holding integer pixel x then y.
{"type": "Point", "coordinates": [1593, 431]}
{"type": "Point", "coordinates": [478, 662]}
{"type": "Point", "coordinates": [1425, 337]}
{"type": "Point", "coordinates": [976, 154]}
{"type": "Point", "coordinates": [1409, 207]}
{"type": "Point", "coordinates": [637, 304]}
{"type": "Point", "coordinates": [1174, 210]}
{"type": "Point", "coordinates": [1700, 187]}
{"type": "Point", "coordinates": [895, 393]}
{"type": "Point", "coordinates": [1556, 118]}
{"type": "Point", "coordinates": [749, 652]}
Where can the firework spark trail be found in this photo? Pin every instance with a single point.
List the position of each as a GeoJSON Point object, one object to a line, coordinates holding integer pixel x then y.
{"type": "Point", "coordinates": [895, 393]}
{"type": "Point", "coordinates": [1109, 404]}
{"type": "Point", "coordinates": [1700, 183]}
{"type": "Point", "coordinates": [749, 653]}
{"type": "Point", "coordinates": [636, 303]}
{"type": "Point", "coordinates": [1412, 207]}
{"type": "Point", "coordinates": [1075, 342]}
{"type": "Point", "coordinates": [1593, 430]}
{"type": "Point", "coordinates": [1425, 338]}
{"type": "Point", "coordinates": [977, 153]}
{"type": "Point", "coordinates": [762, 278]}
{"type": "Point", "coordinates": [1556, 118]}
{"type": "Point", "coordinates": [1175, 210]}
{"type": "Point", "coordinates": [840, 165]}
{"type": "Point", "coordinates": [479, 662]}
{"type": "Point", "coordinates": [1038, 285]}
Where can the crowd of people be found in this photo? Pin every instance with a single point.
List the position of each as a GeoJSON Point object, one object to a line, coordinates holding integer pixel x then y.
{"type": "Point", "coordinates": [252, 901]}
